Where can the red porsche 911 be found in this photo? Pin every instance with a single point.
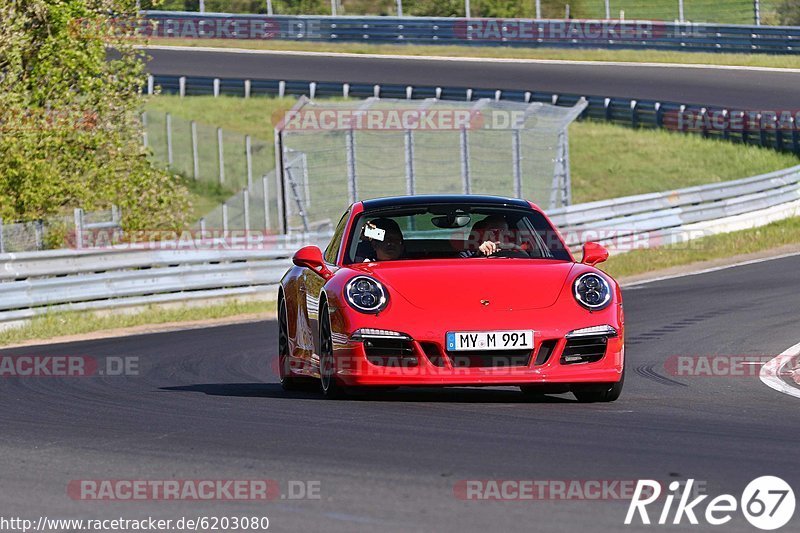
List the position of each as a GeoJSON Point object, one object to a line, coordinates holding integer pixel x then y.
{"type": "Point", "coordinates": [451, 291]}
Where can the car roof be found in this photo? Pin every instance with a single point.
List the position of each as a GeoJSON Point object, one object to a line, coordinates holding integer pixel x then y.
{"type": "Point", "coordinates": [427, 199]}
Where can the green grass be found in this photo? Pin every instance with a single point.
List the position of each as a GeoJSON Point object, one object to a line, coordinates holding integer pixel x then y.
{"type": "Point", "coordinates": [781, 233]}
{"type": "Point", "coordinates": [76, 323]}
{"type": "Point", "coordinates": [560, 54]}
{"type": "Point", "coordinates": [607, 161]}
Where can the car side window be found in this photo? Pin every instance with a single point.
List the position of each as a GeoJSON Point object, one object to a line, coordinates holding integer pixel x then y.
{"type": "Point", "coordinates": [336, 241]}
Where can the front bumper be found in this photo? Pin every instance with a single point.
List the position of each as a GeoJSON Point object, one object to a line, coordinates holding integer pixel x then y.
{"type": "Point", "coordinates": [423, 360]}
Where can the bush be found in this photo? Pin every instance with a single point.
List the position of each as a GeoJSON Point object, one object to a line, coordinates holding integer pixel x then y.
{"type": "Point", "coordinates": [71, 132]}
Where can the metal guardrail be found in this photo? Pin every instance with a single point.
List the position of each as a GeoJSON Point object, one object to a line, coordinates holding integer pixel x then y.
{"type": "Point", "coordinates": [35, 283]}
{"type": "Point", "coordinates": [525, 33]}
{"type": "Point", "coordinates": [772, 132]}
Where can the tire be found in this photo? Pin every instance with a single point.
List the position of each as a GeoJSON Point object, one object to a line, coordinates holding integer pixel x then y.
{"type": "Point", "coordinates": [288, 382]}
{"type": "Point", "coordinates": [601, 392]}
{"type": "Point", "coordinates": [331, 387]}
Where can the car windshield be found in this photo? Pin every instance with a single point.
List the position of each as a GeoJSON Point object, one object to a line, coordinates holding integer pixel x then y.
{"type": "Point", "coordinates": [451, 231]}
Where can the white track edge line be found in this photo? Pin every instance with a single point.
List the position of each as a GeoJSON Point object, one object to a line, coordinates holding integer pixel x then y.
{"type": "Point", "coordinates": [770, 372]}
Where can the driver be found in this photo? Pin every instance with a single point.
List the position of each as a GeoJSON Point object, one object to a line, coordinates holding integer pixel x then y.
{"type": "Point", "coordinates": [391, 247]}
{"type": "Point", "coordinates": [491, 232]}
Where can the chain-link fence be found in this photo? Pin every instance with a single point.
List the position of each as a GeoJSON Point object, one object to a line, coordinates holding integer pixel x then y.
{"type": "Point", "coordinates": [206, 153]}
{"type": "Point", "coordinates": [60, 231]}
{"type": "Point", "coordinates": [333, 154]}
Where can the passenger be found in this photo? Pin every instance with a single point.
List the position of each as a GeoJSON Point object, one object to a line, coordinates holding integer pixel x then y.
{"type": "Point", "coordinates": [391, 247]}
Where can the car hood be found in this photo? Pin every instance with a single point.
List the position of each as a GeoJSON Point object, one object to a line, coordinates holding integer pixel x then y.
{"type": "Point", "coordinates": [507, 284]}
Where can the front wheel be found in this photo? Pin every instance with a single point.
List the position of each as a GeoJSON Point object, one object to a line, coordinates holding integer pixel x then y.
{"type": "Point", "coordinates": [331, 387]}
{"type": "Point", "coordinates": [601, 392]}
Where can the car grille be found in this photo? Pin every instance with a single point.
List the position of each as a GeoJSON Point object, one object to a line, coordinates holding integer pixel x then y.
{"type": "Point", "coordinates": [390, 352]}
{"type": "Point", "coordinates": [500, 358]}
{"type": "Point", "coordinates": [584, 350]}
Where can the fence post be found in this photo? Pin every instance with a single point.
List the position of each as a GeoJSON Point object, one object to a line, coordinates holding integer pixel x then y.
{"type": "Point", "coordinates": [2, 242]}
{"type": "Point", "coordinates": [248, 153]}
{"type": "Point", "coordinates": [516, 156]}
{"type": "Point", "coordinates": [465, 170]}
{"type": "Point", "coordinates": [202, 228]}
{"type": "Point", "coordinates": [221, 156]}
{"type": "Point", "coordinates": [225, 219]}
{"type": "Point", "coordinates": [145, 141]}
{"type": "Point", "coordinates": [410, 174]}
{"type": "Point", "coordinates": [38, 229]}
{"type": "Point", "coordinates": [195, 154]}
{"type": "Point", "coordinates": [169, 139]}
{"type": "Point", "coordinates": [280, 193]}
{"type": "Point", "coordinates": [266, 202]}
{"type": "Point", "coordinates": [78, 218]}
{"type": "Point", "coordinates": [352, 183]}
{"type": "Point", "coordinates": [246, 202]}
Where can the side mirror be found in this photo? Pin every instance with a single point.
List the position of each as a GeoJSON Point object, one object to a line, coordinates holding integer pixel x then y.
{"type": "Point", "coordinates": [311, 257]}
{"type": "Point", "coordinates": [594, 253]}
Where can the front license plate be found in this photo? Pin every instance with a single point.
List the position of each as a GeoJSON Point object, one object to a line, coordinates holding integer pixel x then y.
{"type": "Point", "coordinates": [489, 340]}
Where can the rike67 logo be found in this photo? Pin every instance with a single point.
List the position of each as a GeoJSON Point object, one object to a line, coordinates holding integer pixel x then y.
{"type": "Point", "coordinates": [767, 503]}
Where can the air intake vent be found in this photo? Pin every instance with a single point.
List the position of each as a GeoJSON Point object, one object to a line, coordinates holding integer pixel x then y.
{"type": "Point", "coordinates": [584, 350]}
{"type": "Point", "coordinates": [500, 358]}
{"type": "Point", "coordinates": [545, 351]}
{"type": "Point", "coordinates": [390, 352]}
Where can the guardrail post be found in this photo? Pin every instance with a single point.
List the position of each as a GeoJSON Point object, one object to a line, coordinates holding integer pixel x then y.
{"type": "Point", "coordinates": [265, 183]}
{"type": "Point", "coordinates": [225, 219]}
{"type": "Point", "coordinates": [151, 84]}
{"type": "Point", "coordinates": [410, 174]}
{"type": "Point", "coordinates": [248, 153]}
{"type": "Point", "coordinates": [607, 108]}
{"type": "Point", "coordinates": [168, 125]}
{"type": "Point", "coordinates": [704, 119]}
{"type": "Point", "coordinates": [469, 95]}
{"type": "Point", "coordinates": [202, 228]}
{"type": "Point", "coordinates": [195, 154]}
{"type": "Point", "coordinates": [216, 87]}
{"type": "Point", "coordinates": [376, 91]}
{"type": "Point", "coordinates": [659, 115]}
{"type": "Point", "coordinates": [346, 90]}
{"type": "Point", "coordinates": [182, 86]}
{"type": "Point", "coordinates": [312, 89]}
{"type": "Point", "coordinates": [634, 114]}
{"type": "Point", "coordinates": [795, 137]}
{"type": "Point", "coordinates": [466, 179]}
{"type": "Point", "coordinates": [2, 242]}
{"type": "Point", "coordinates": [221, 156]}
{"type": "Point", "coordinates": [246, 202]}
{"type": "Point", "coordinates": [762, 132]}
{"type": "Point", "coordinates": [409, 92]}
{"type": "Point", "coordinates": [726, 130]}
{"type": "Point", "coordinates": [527, 97]}
{"type": "Point", "coordinates": [497, 95]}
{"type": "Point", "coordinates": [247, 88]}
{"type": "Point", "coordinates": [78, 218]}
{"type": "Point", "coordinates": [281, 89]}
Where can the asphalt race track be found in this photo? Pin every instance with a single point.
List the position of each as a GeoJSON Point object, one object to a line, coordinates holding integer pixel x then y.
{"type": "Point", "coordinates": [735, 88]}
{"type": "Point", "coordinates": [207, 405]}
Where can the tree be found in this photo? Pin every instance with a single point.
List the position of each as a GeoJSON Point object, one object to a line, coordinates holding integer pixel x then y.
{"type": "Point", "coordinates": [789, 12]}
{"type": "Point", "coordinates": [71, 134]}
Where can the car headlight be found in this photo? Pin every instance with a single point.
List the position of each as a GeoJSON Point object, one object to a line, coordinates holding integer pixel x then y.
{"type": "Point", "coordinates": [592, 291]}
{"type": "Point", "coordinates": [366, 294]}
